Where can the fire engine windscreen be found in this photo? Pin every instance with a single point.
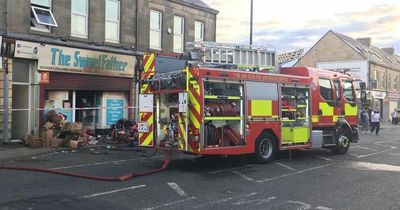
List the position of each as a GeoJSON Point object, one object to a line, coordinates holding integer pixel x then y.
{"type": "Point", "coordinates": [170, 80]}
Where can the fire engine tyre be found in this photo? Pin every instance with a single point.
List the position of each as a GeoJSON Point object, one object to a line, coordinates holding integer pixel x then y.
{"type": "Point", "coordinates": [265, 150]}
{"type": "Point", "coordinates": [342, 142]}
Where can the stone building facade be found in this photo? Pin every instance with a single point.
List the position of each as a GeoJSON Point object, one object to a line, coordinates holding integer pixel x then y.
{"type": "Point", "coordinates": [378, 67]}
{"type": "Point", "coordinates": [70, 55]}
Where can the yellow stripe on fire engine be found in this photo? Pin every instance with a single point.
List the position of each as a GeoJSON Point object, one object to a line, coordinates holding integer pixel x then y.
{"type": "Point", "coordinates": [315, 118]}
{"type": "Point", "coordinates": [149, 62]}
{"type": "Point", "coordinates": [194, 102]}
{"type": "Point", "coordinates": [144, 87]}
{"type": "Point", "coordinates": [261, 108]}
{"type": "Point", "coordinates": [350, 110]}
{"type": "Point", "coordinates": [182, 138]}
{"type": "Point", "coordinates": [326, 109]}
{"type": "Point", "coordinates": [148, 140]}
{"type": "Point", "coordinates": [194, 120]}
{"type": "Point", "coordinates": [335, 118]}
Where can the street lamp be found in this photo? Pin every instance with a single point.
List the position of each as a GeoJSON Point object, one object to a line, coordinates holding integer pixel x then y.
{"type": "Point", "coordinates": [251, 22]}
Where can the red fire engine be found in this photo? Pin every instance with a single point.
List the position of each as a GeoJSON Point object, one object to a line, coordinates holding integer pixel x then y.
{"type": "Point", "coordinates": [214, 111]}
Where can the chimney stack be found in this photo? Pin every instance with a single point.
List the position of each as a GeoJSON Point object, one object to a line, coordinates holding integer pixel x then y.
{"type": "Point", "coordinates": [389, 50]}
{"type": "Point", "coordinates": [365, 41]}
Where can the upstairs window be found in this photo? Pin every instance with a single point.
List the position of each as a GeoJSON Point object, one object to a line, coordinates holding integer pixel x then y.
{"type": "Point", "coordinates": [155, 29]}
{"type": "Point", "coordinates": [42, 19]}
{"type": "Point", "coordinates": [112, 21]}
{"type": "Point", "coordinates": [179, 28]}
{"type": "Point", "coordinates": [79, 18]}
{"type": "Point", "coordinates": [198, 31]}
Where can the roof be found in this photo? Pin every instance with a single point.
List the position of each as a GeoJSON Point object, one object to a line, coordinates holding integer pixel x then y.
{"type": "Point", "coordinates": [198, 4]}
{"type": "Point", "coordinates": [372, 53]}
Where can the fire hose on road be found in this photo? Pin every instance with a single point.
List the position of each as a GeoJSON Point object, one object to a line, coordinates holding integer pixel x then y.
{"type": "Point", "coordinates": [122, 178]}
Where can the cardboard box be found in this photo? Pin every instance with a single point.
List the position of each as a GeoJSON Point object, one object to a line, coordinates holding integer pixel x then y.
{"type": "Point", "coordinates": [73, 127]}
{"type": "Point", "coordinates": [55, 143]}
{"type": "Point", "coordinates": [73, 144]}
{"type": "Point", "coordinates": [35, 142]}
{"type": "Point", "coordinates": [47, 137]}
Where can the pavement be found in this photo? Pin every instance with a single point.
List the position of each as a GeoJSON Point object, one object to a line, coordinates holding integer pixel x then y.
{"type": "Point", "coordinates": [20, 151]}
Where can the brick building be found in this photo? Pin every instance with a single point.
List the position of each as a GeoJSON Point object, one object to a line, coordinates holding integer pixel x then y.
{"type": "Point", "coordinates": [70, 55]}
{"type": "Point", "coordinates": [378, 67]}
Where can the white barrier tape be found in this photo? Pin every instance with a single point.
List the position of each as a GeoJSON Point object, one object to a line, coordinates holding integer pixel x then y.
{"type": "Point", "coordinates": [84, 108]}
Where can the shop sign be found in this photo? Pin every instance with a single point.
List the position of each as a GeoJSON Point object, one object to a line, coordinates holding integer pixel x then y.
{"type": "Point", "coordinates": [378, 95]}
{"type": "Point", "coordinates": [44, 77]}
{"type": "Point", "coordinates": [27, 50]}
{"type": "Point", "coordinates": [72, 60]}
{"type": "Point", "coordinates": [394, 95]}
{"type": "Point", "coordinates": [115, 110]}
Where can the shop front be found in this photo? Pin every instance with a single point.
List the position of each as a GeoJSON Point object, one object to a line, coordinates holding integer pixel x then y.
{"type": "Point", "coordinates": [88, 86]}
{"type": "Point", "coordinates": [92, 87]}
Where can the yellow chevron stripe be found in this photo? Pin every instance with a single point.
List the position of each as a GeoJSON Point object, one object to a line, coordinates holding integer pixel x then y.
{"type": "Point", "coordinates": [194, 102]}
{"type": "Point", "coordinates": [149, 62]}
{"type": "Point", "coordinates": [144, 87]}
{"type": "Point", "coordinates": [148, 140]}
{"type": "Point", "coordinates": [194, 120]}
{"type": "Point", "coordinates": [195, 84]}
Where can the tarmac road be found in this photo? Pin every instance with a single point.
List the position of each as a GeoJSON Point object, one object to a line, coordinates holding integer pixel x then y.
{"type": "Point", "coordinates": [367, 177]}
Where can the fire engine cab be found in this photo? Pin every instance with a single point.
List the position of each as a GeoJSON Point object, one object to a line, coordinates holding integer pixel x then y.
{"type": "Point", "coordinates": [245, 109]}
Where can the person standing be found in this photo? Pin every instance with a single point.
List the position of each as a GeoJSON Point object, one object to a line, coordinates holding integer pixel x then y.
{"type": "Point", "coordinates": [394, 117]}
{"type": "Point", "coordinates": [375, 121]}
{"type": "Point", "coordinates": [364, 120]}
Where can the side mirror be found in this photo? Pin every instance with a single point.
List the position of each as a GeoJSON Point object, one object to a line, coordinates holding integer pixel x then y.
{"type": "Point", "coordinates": [363, 95]}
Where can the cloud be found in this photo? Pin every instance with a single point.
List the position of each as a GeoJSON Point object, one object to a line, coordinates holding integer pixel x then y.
{"type": "Point", "coordinates": [302, 24]}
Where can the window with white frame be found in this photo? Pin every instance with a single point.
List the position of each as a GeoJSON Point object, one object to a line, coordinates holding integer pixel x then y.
{"type": "Point", "coordinates": [198, 31]}
{"type": "Point", "coordinates": [42, 19]}
{"type": "Point", "coordinates": [155, 29]}
{"type": "Point", "coordinates": [179, 30]}
{"type": "Point", "coordinates": [79, 18]}
{"type": "Point", "coordinates": [112, 21]}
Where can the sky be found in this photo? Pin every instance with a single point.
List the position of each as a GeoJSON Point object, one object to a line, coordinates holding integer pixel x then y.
{"type": "Point", "coordinates": [291, 24]}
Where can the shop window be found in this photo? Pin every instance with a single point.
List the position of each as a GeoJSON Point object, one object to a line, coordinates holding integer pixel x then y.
{"type": "Point", "coordinates": [198, 31]}
{"type": "Point", "coordinates": [179, 28]}
{"type": "Point", "coordinates": [42, 19]}
{"type": "Point", "coordinates": [326, 89]}
{"type": "Point", "coordinates": [155, 29]}
{"type": "Point", "coordinates": [112, 21]}
{"type": "Point", "coordinates": [79, 18]}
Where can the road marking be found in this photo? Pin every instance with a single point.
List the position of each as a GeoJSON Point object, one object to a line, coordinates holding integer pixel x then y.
{"type": "Point", "coordinates": [102, 163]}
{"type": "Point", "coordinates": [257, 201]}
{"type": "Point", "coordinates": [304, 206]}
{"type": "Point", "coordinates": [394, 153]}
{"type": "Point", "coordinates": [243, 176]}
{"type": "Point", "coordinates": [380, 142]}
{"type": "Point", "coordinates": [323, 208]}
{"type": "Point", "coordinates": [224, 200]}
{"type": "Point", "coordinates": [323, 158]}
{"type": "Point", "coordinates": [373, 166]}
{"type": "Point", "coordinates": [113, 191]}
{"type": "Point", "coordinates": [285, 166]}
{"type": "Point", "coordinates": [170, 204]}
{"type": "Point", "coordinates": [229, 169]}
{"type": "Point", "coordinates": [365, 148]}
{"type": "Point", "coordinates": [354, 155]}
{"type": "Point", "coordinates": [375, 153]}
{"type": "Point", "coordinates": [177, 189]}
{"type": "Point", "coordinates": [294, 173]}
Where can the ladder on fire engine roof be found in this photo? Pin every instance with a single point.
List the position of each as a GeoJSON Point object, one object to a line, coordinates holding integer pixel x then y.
{"type": "Point", "coordinates": [234, 54]}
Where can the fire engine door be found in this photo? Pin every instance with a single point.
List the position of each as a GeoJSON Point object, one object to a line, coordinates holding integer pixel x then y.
{"type": "Point", "coordinates": [183, 121]}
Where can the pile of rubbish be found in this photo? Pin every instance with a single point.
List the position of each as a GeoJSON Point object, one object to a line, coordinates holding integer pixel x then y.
{"type": "Point", "coordinates": [56, 132]}
{"type": "Point", "coordinates": [124, 131]}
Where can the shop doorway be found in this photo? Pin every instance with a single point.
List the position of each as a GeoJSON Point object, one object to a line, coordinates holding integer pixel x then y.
{"type": "Point", "coordinates": [20, 126]}
{"type": "Point", "coordinates": [86, 108]}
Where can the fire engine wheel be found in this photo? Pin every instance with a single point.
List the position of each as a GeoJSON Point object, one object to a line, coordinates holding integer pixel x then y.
{"type": "Point", "coordinates": [342, 142]}
{"type": "Point", "coordinates": [265, 148]}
